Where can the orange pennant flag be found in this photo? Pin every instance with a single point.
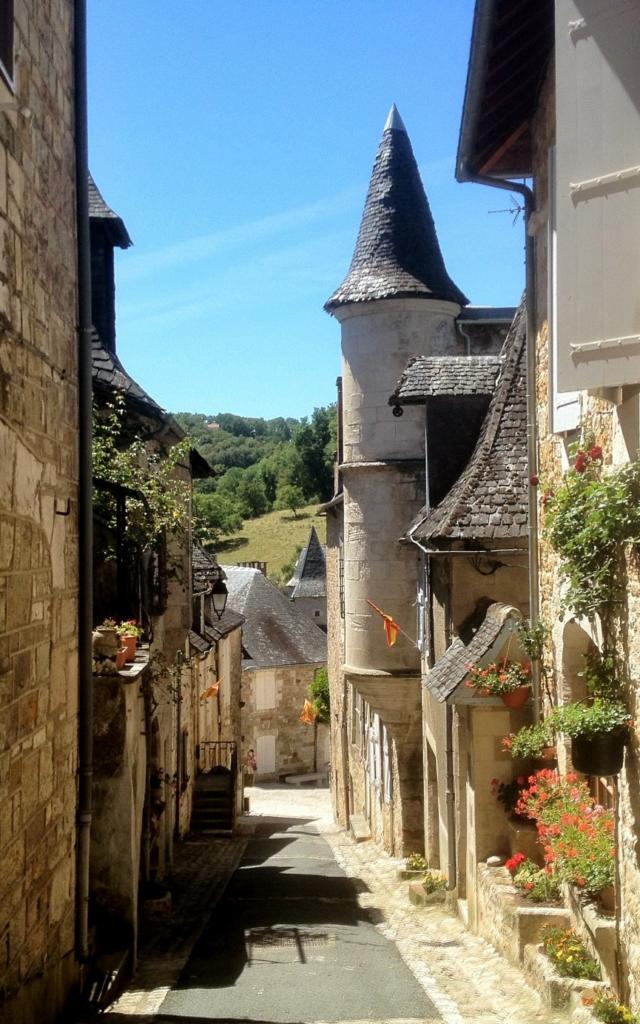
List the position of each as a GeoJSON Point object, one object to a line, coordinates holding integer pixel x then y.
{"type": "Point", "coordinates": [308, 715]}
{"type": "Point", "coordinates": [210, 691]}
{"type": "Point", "coordinates": [391, 628]}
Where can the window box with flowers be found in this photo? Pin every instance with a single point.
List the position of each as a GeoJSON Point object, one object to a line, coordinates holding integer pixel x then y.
{"type": "Point", "coordinates": [509, 680]}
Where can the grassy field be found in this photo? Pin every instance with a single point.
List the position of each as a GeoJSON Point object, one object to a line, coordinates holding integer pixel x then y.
{"type": "Point", "coordinates": [272, 539]}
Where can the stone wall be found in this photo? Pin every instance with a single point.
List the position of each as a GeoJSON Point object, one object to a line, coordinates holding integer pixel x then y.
{"type": "Point", "coordinates": [614, 418]}
{"type": "Point", "coordinates": [335, 656]}
{"type": "Point", "coordinates": [38, 519]}
{"type": "Point", "coordinates": [119, 787]}
{"type": "Point", "coordinates": [218, 716]}
{"type": "Point", "coordinates": [273, 700]}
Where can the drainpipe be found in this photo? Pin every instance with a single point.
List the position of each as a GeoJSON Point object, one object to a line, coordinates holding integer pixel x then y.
{"type": "Point", "coordinates": [85, 505]}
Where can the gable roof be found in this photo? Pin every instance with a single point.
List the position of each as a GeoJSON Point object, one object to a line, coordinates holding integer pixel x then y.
{"type": "Point", "coordinates": [511, 43]}
{"type": "Point", "coordinates": [111, 222]}
{"type": "Point", "coordinates": [310, 574]}
{"type": "Point", "coordinates": [397, 254]}
{"type": "Point", "coordinates": [490, 498]}
{"type": "Point", "coordinates": [275, 632]}
{"type": "Point", "coordinates": [110, 375]}
{"type": "Point", "coordinates": [484, 638]}
{"type": "Point", "coordinates": [426, 376]}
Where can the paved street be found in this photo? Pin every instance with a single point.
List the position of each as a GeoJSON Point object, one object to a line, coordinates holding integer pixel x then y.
{"type": "Point", "coordinates": [312, 928]}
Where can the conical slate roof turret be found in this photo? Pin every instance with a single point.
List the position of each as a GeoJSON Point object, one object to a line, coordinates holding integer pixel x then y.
{"type": "Point", "coordinates": [397, 254]}
{"type": "Point", "coordinates": [310, 573]}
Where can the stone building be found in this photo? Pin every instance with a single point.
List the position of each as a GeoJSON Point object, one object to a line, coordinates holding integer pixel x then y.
{"type": "Point", "coordinates": [38, 511]}
{"type": "Point", "coordinates": [308, 585]}
{"type": "Point", "coordinates": [573, 127]}
{"type": "Point", "coordinates": [215, 644]}
{"type": "Point", "coordinates": [282, 651]}
{"type": "Point", "coordinates": [471, 542]}
{"type": "Point", "coordinates": [148, 720]}
{"type": "Point", "coordinates": [396, 304]}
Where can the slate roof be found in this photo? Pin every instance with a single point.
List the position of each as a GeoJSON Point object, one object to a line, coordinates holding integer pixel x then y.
{"type": "Point", "coordinates": [110, 375]}
{"type": "Point", "coordinates": [276, 632]}
{"type": "Point", "coordinates": [199, 643]}
{"type": "Point", "coordinates": [205, 571]}
{"type": "Point", "coordinates": [111, 222]}
{"type": "Point", "coordinates": [310, 574]}
{"type": "Point", "coordinates": [481, 644]}
{"type": "Point", "coordinates": [219, 628]}
{"type": "Point", "coordinates": [397, 254]}
{"type": "Point", "coordinates": [490, 498]}
{"type": "Point", "coordinates": [426, 376]}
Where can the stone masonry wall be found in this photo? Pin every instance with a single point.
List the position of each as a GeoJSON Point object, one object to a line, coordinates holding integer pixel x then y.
{"type": "Point", "coordinates": [614, 418]}
{"type": "Point", "coordinates": [335, 649]}
{"type": "Point", "coordinates": [38, 519]}
{"type": "Point", "coordinates": [294, 740]}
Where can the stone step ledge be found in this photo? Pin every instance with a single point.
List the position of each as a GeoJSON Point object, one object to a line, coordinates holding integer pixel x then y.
{"type": "Point", "coordinates": [557, 992]}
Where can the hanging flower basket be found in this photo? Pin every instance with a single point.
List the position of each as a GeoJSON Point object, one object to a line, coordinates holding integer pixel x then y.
{"type": "Point", "coordinates": [600, 753]}
{"type": "Point", "coordinates": [516, 698]}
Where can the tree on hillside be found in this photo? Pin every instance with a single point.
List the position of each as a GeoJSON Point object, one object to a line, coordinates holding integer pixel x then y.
{"type": "Point", "coordinates": [214, 516]}
{"type": "Point", "coordinates": [291, 497]}
{"type": "Point", "coordinates": [311, 441]}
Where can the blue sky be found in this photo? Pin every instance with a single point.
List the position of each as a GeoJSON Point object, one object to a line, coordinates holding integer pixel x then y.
{"type": "Point", "coordinates": [236, 139]}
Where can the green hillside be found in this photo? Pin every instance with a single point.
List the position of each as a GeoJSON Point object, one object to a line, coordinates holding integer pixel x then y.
{"type": "Point", "coordinates": [272, 538]}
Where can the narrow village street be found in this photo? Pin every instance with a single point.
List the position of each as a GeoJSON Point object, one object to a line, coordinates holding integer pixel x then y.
{"type": "Point", "coordinates": [294, 922]}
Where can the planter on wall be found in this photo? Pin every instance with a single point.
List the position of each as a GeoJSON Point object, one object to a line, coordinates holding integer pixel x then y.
{"type": "Point", "coordinates": [130, 644]}
{"type": "Point", "coordinates": [599, 754]}
{"type": "Point", "coordinates": [517, 698]}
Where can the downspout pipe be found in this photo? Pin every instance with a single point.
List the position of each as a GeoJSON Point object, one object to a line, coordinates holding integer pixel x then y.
{"type": "Point", "coordinates": [85, 502]}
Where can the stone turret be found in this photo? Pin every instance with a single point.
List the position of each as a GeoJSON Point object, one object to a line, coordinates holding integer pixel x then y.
{"type": "Point", "coordinates": [396, 301]}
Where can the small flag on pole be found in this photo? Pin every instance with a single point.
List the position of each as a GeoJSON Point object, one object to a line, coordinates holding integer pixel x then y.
{"type": "Point", "coordinates": [308, 715]}
{"type": "Point", "coordinates": [210, 691]}
{"type": "Point", "coordinates": [391, 628]}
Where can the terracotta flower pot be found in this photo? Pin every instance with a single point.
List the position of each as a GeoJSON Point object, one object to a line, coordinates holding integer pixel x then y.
{"type": "Point", "coordinates": [517, 698]}
{"type": "Point", "coordinates": [121, 658]}
{"type": "Point", "coordinates": [599, 754]}
{"type": "Point", "coordinates": [130, 644]}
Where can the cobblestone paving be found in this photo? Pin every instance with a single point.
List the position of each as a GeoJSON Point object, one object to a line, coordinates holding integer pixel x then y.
{"type": "Point", "coordinates": [202, 867]}
{"type": "Point", "coordinates": [461, 973]}
{"type": "Point", "coordinates": [466, 979]}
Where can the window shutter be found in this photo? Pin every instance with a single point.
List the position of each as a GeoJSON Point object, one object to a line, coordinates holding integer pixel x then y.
{"type": "Point", "coordinates": [598, 193]}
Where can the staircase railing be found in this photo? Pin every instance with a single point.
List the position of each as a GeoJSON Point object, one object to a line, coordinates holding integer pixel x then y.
{"type": "Point", "coordinates": [218, 754]}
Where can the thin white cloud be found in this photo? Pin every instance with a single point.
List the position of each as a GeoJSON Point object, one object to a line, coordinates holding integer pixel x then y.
{"type": "Point", "coordinates": [192, 250]}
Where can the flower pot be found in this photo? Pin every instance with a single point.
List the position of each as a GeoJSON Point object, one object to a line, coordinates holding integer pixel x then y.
{"type": "Point", "coordinates": [121, 658]}
{"type": "Point", "coordinates": [547, 758]}
{"type": "Point", "coordinates": [516, 698]}
{"type": "Point", "coordinates": [599, 754]}
{"type": "Point", "coordinates": [130, 644]}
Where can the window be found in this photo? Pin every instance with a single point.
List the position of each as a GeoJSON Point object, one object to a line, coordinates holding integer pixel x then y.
{"type": "Point", "coordinates": [598, 198]}
{"type": "Point", "coordinates": [386, 766]}
{"type": "Point", "coordinates": [265, 691]}
{"type": "Point", "coordinates": [6, 38]}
